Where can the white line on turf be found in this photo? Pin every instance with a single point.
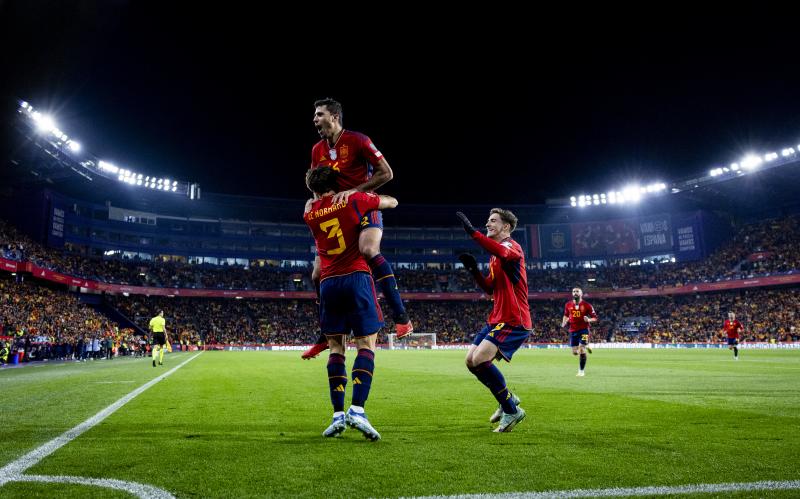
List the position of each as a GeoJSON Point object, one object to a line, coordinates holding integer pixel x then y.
{"type": "Point", "coordinates": [13, 472]}
{"type": "Point", "coordinates": [136, 489]}
{"type": "Point", "coordinates": [702, 488]}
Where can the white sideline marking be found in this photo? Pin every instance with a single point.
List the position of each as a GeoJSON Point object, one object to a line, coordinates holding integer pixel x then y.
{"type": "Point", "coordinates": [13, 472]}
{"type": "Point", "coordinates": [702, 488]}
{"type": "Point", "coordinates": [137, 489]}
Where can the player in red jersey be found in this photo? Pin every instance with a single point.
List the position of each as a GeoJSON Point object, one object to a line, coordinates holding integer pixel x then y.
{"type": "Point", "coordinates": [731, 327]}
{"type": "Point", "coordinates": [509, 324]}
{"type": "Point", "coordinates": [347, 299]}
{"type": "Point", "coordinates": [579, 314]}
{"type": "Point", "coordinates": [362, 168]}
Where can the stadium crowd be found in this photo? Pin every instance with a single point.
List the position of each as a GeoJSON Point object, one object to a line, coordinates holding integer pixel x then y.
{"type": "Point", "coordinates": [757, 249]}
{"type": "Point", "coordinates": [767, 314]}
{"type": "Point", "coordinates": [44, 323]}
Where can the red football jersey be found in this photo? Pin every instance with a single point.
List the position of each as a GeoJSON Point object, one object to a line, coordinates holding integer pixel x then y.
{"type": "Point", "coordinates": [335, 229]}
{"type": "Point", "coordinates": [507, 281]}
{"type": "Point", "coordinates": [576, 314]}
{"type": "Point", "coordinates": [353, 156]}
{"type": "Point", "coordinates": [732, 328]}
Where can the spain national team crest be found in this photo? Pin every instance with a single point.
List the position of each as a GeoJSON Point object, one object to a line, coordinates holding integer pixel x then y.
{"type": "Point", "coordinates": [344, 150]}
{"type": "Point", "coordinates": [557, 240]}
{"type": "Point", "coordinates": [333, 155]}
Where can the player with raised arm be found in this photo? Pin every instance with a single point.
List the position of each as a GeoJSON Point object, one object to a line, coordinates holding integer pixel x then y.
{"type": "Point", "coordinates": [509, 324]}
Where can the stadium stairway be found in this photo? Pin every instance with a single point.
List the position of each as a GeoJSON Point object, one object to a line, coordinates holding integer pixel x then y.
{"type": "Point", "coordinates": [100, 305]}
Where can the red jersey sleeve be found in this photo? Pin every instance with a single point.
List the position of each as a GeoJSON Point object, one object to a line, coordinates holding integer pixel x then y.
{"type": "Point", "coordinates": [486, 283]}
{"type": "Point", "coordinates": [504, 251]}
{"type": "Point", "coordinates": [370, 152]}
{"type": "Point", "coordinates": [364, 201]}
{"type": "Point", "coordinates": [592, 313]}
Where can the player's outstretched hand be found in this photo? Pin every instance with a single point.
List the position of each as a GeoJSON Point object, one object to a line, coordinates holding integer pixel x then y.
{"type": "Point", "coordinates": [469, 262]}
{"type": "Point", "coordinates": [468, 227]}
{"type": "Point", "coordinates": [342, 197]}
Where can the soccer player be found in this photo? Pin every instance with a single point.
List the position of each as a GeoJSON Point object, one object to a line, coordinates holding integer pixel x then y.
{"type": "Point", "coordinates": [347, 299]}
{"type": "Point", "coordinates": [731, 328]}
{"type": "Point", "coordinates": [361, 168]}
{"type": "Point", "coordinates": [509, 324]}
{"type": "Point", "coordinates": [158, 328]}
{"type": "Point", "coordinates": [579, 314]}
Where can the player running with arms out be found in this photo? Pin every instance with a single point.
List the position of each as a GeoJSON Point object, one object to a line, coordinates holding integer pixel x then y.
{"type": "Point", "coordinates": [509, 323]}
{"type": "Point", "coordinates": [347, 299]}
{"type": "Point", "coordinates": [731, 327]}
{"type": "Point", "coordinates": [579, 314]}
{"type": "Point", "coordinates": [361, 168]}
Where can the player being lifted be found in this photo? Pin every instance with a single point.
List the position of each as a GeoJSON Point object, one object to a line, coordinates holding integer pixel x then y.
{"type": "Point", "coordinates": [509, 324]}
{"type": "Point", "coordinates": [361, 168]}
{"type": "Point", "coordinates": [731, 328]}
{"type": "Point", "coordinates": [579, 314]}
{"type": "Point", "coordinates": [347, 299]}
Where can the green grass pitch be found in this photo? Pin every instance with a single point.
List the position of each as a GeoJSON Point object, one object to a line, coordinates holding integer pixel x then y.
{"type": "Point", "coordinates": [248, 424]}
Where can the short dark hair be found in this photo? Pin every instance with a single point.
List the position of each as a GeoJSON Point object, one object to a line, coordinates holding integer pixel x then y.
{"type": "Point", "coordinates": [506, 216]}
{"type": "Point", "coordinates": [321, 180]}
{"type": "Point", "coordinates": [333, 107]}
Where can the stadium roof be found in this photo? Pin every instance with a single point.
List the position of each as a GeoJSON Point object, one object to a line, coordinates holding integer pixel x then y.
{"type": "Point", "coordinates": [32, 163]}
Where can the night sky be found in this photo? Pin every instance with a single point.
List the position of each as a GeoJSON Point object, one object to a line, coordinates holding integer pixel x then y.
{"type": "Point", "coordinates": [493, 109]}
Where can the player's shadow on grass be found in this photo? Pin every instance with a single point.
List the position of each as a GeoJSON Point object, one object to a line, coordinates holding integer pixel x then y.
{"type": "Point", "coordinates": [318, 440]}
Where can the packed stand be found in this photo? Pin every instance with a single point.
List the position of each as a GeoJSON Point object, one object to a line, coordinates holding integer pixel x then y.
{"type": "Point", "coordinates": [766, 314]}
{"type": "Point", "coordinates": [41, 323]}
{"type": "Point", "coordinates": [763, 248]}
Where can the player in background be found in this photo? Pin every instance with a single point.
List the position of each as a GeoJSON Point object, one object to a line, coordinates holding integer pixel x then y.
{"type": "Point", "coordinates": [731, 327]}
{"type": "Point", "coordinates": [347, 299]}
{"type": "Point", "coordinates": [579, 314]}
{"type": "Point", "coordinates": [362, 168]}
{"type": "Point", "coordinates": [509, 324]}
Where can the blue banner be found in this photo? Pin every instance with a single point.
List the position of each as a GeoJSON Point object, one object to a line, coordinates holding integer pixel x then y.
{"type": "Point", "coordinates": [556, 241]}
{"type": "Point", "coordinates": [687, 231]}
{"type": "Point", "coordinates": [655, 234]}
{"type": "Point", "coordinates": [55, 226]}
